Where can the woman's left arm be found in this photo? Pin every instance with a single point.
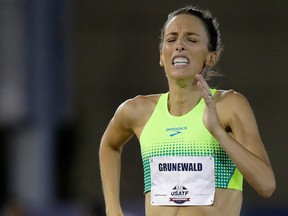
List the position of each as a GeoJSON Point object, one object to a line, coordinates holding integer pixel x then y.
{"type": "Point", "coordinates": [245, 147]}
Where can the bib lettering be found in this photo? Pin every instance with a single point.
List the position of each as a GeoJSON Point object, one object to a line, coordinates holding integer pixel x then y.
{"type": "Point", "coordinates": [182, 180]}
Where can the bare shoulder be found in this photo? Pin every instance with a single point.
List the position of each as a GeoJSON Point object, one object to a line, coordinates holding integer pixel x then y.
{"type": "Point", "coordinates": [232, 106]}
{"type": "Point", "coordinates": [142, 100]}
{"type": "Point", "coordinates": [231, 98]}
{"type": "Point", "coordinates": [140, 104]}
{"type": "Point", "coordinates": [138, 109]}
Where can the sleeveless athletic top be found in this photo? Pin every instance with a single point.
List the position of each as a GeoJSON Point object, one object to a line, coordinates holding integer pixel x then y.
{"type": "Point", "coordinates": [168, 135]}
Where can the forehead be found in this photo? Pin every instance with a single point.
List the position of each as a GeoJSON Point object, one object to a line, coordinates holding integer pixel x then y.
{"type": "Point", "coordinates": [186, 23]}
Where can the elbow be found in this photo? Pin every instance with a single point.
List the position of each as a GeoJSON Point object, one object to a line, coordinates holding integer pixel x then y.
{"type": "Point", "coordinates": [268, 190]}
{"type": "Point", "coordinates": [268, 193]}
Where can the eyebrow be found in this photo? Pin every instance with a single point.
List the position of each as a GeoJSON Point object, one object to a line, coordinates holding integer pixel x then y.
{"type": "Point", "coordinates": [188, 33]}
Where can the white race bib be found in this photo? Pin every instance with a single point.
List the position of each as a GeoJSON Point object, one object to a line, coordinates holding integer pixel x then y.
{"type": "Point", "coordinates": [182, 180]}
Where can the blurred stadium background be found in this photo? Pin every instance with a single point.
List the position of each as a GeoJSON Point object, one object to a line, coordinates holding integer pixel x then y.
{"type": "Point", "coordinates": [65, 66]}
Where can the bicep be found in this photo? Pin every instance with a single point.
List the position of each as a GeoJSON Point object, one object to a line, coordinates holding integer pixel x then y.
{"type": "Point", "coordinates": [119, 130]}
{"type": "Point", "coordinates": [244, 127]}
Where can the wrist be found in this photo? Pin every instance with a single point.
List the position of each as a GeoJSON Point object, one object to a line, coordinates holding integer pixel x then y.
{"type": "Point", "coordinates": [114, 210]}
{"type": "Point", "coordinates": [219, 133]}
{"type": "Point", "coordinates": [114, 213]}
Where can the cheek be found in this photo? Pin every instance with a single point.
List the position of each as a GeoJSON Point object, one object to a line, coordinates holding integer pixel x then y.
{"type": "Point", "coordinates": [166, 57]}
{"type": "Point", "coordinates": [199, 56]}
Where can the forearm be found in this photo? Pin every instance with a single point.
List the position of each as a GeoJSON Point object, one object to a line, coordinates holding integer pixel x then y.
{"type": "Point", "coordinates": [257, 172]}
{"type": "Point", "coordinates": [110, 165]}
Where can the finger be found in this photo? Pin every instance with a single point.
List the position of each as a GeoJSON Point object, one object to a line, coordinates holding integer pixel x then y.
{"type": "Point", "coordinates": [203, 81]}
{"type": "Point", "coordinates": [208, 99]}
{"type": "Point", "coordinates": [205, 89]}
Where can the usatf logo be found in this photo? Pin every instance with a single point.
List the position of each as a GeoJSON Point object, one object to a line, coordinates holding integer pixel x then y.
{"type": "Point", "coordinates": [178, 195]}
{"type": "Point", "coordinates": [175, 130]}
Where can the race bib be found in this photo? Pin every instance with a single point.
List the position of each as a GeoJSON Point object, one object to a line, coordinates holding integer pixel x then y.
{"type": "Point", "coordinates": [182, 180]}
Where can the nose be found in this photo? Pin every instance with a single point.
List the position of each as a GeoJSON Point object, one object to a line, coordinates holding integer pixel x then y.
{"type": "Point", "coordinates": [179, 46]}
{"type": "Point", "coordinates": [180, 49]}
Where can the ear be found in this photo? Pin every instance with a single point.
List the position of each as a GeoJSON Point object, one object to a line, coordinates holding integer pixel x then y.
{"type": "Point", "coordinates": [211, 59]}
{"type": "Point", "coordinates": [161, 59]}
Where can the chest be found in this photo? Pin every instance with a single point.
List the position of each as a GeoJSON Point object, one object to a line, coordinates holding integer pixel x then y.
{"type": "Point", "coordinates": [177, 136]}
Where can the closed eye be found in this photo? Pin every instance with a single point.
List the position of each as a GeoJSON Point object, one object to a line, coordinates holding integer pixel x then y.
{"type": "Point", "coordinates": [193, 40]}
{"type": "Point", "coordinates": [171, 39]}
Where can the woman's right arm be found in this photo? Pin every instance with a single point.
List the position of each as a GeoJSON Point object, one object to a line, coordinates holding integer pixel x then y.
{"type": "Point", "coordinates": [118, 132]}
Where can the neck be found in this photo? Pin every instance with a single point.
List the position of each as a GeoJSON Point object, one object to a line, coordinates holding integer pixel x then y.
{"type": "Point", "coordinates": [183, 99]}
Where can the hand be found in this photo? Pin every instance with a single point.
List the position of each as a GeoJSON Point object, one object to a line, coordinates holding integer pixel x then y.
{"type": "Point", "coordinates": [210, 115]}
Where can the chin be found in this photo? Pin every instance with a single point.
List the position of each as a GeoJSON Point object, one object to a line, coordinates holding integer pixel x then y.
{"type": "Point", "coordinates": [181, 75]}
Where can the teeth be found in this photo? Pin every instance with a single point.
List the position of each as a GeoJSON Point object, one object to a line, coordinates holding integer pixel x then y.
{"type": "Point", "coordinates": [180, 61]}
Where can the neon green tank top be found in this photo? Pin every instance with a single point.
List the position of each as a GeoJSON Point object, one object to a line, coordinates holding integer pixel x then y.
{"type": "Point", "coordinates": [167, 135]}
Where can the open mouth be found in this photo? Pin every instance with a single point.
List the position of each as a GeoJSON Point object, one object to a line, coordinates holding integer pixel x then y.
{"type": "Point", "coordinates": [180, 61]}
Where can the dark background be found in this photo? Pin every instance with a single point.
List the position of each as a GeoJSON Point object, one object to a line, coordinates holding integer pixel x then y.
{"type": "Point", "coordinates": [107, 51]}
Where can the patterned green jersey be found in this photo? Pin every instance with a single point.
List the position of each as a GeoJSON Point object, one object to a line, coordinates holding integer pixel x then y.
{"type": "Point", "coordinates": [168, 135]}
